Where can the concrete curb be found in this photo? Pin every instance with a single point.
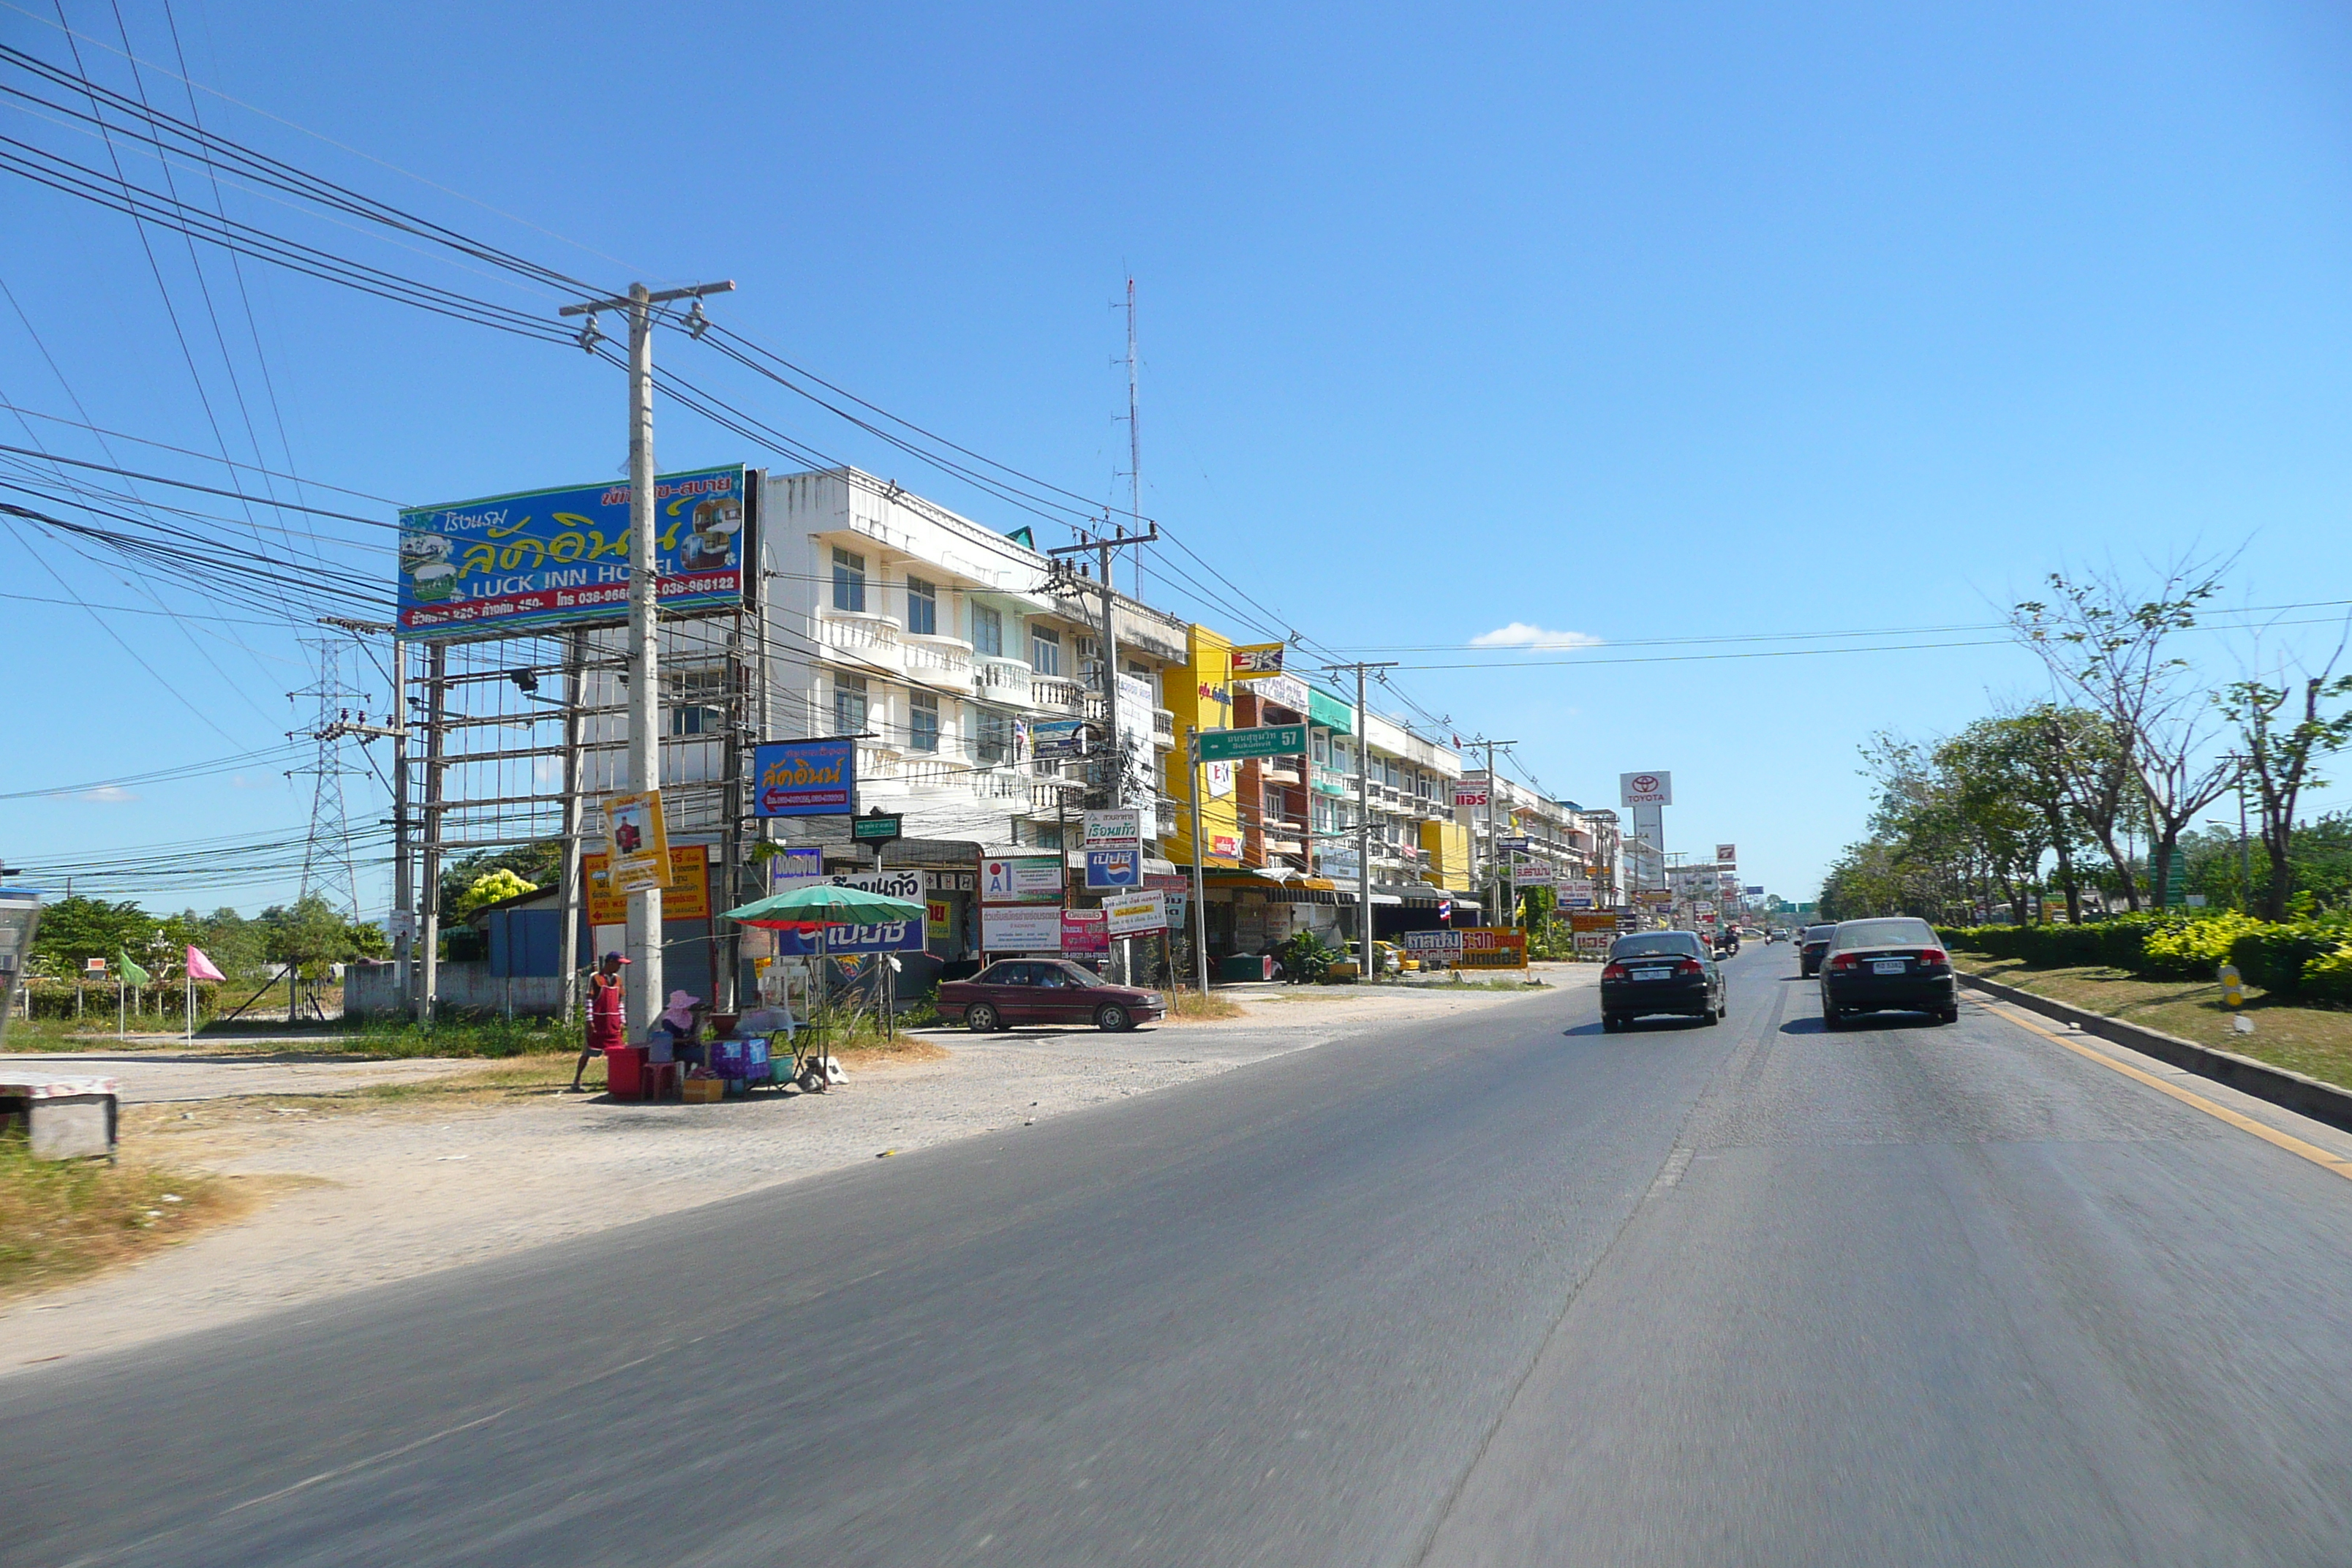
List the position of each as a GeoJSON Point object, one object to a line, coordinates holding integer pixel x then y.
{"type": "Point", "coordinates": [2292, 1090]}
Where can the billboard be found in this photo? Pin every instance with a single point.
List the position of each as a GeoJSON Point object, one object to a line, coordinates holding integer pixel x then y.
{"type": "Point", "coordinates": [1012, 928]}
{"type": "Point", "coordinates": [1727, 854]}
{"type": "Point", "coordinates": [887, 936]}
{"type": "Point", "coordinates": [1255, 661]}
{"type": "Point", "coordinates": [1132, 913]}
{"type": "Point", "coordinates": [636, 836]}
{"type": "Point", "coordinates": [804, 778]}
{"type": "Point", "coordinates": [1645, 789]}
{"type": "Point", "coordinates": [561, 557]}
{"type": "Point", "coordinates": [684, 897]}
{"type": "Point", "coordinates": [1022, 880]}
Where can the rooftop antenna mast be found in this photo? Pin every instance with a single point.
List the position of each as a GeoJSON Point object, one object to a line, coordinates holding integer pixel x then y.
{"type": "Point", "coordinates": [1134, 444]}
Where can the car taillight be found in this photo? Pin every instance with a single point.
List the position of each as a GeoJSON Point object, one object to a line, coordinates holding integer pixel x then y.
{"type": "Point", "coordinates": [1690, 966]}
{"type": "Point", "coordinates": [1616, 971]}
{"type": "Point", "coordinates": [1845, 961]}
{"type": "Point", "coordinates": [1934, 955]}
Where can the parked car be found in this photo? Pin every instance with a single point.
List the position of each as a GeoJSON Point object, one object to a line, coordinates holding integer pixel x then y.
{"type": "Point", "coordinates": [1879, 965]}
{"type": "Point", "coordinates": [1391, 956]}
{"type": "Point", "coordinates": [1044, 991]}
{"type": "Point", "coordinates": [1661, 971]}
{"type": "Point", "coordinates": [1811, 946]}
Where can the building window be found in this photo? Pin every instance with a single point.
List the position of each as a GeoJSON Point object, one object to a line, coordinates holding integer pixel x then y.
{"type": "Point", "coordinates": [694, 702]}
{"type": "Point", "coordinates": [993, 742]}
{"type": "Point", "coordinates": [848, 704]}
{"type": "Point", "coordinates": [922, 722]}
{"type": "Point", "coordinates": [987, 632]}
{"type": "Point", "coordinates": [922, 607]}
{"type": "Point", "coordinates": [848, 580]}
{"type": "Point", "coordinates": [1045, 650]}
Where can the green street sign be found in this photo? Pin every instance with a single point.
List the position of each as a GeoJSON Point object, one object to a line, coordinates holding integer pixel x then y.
{"type": "Point", "coordinates": [875, 829]}
{"type": "Point", "coordinates": [1241, 745]}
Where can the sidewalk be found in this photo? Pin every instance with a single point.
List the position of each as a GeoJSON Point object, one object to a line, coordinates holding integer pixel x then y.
{"type": "Point", "coordinates": [408, 1188]}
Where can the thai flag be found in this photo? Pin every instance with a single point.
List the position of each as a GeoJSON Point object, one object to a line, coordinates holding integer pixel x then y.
{"type": "Point", "coordinates": [1445, 911]}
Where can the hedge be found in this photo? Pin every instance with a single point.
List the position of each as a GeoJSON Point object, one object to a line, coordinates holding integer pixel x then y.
{"type": "Point", "coordinates": [2311, 958]}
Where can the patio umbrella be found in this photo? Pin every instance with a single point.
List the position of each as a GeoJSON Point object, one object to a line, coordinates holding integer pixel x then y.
{"type": "Point", "coordinates": [821, 905]}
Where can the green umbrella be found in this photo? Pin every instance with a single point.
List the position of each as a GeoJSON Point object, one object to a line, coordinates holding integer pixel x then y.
{"type": "Point", "coordinates": [824, 904]}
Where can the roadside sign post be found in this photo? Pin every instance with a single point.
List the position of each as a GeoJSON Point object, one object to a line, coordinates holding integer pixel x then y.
{"type": "Point", "coordinates": [1200, 895]}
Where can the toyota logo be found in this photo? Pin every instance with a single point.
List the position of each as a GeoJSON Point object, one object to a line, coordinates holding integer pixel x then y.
{"type": "Point", "coordinates": [1645, 784]}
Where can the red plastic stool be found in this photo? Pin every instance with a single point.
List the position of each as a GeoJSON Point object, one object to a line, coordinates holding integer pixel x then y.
{"type": "Point", "coordinates": [662, 1080]}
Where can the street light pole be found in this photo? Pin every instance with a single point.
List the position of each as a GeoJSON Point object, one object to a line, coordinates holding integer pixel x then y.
{"type": "Point", "coordinates": [1369, 964]}
{"type": "Point", "coordinates": [643, 990]}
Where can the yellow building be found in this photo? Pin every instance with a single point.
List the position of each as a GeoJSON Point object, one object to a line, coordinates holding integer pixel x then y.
{"type": "Point", "coordinates": [1200, 694]}
{"type": "Point", "coordinates": [1446, 855]}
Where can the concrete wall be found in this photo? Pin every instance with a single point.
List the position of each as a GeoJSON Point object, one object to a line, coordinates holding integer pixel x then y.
{"type": "Point", "coordinates": [374, 990]}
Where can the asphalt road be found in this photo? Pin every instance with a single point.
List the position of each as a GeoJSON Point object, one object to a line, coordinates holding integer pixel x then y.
{"type": "Point", "coordinates": [1508, 1292]}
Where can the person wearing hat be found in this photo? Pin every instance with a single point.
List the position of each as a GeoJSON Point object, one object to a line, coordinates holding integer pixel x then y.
{"type": "Point", "coordinates": [607, 1024]}
{"type": "Point", "coordinates": [680, 1024]}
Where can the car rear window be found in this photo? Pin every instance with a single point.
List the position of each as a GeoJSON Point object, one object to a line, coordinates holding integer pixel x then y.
{"type": "Point", "coordinates": [1903, 932]}
{"type": "Point", "coordinates": [1818, 933]}
{"type": "Point", "coordinates": [1680, 944]}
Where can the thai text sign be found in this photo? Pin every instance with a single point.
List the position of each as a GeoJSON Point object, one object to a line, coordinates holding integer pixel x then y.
{"type": "Point", "coordinates": [684, 897]}
{"type": "Point", "coordinates": [1487, 947]}
{"type": "Point", "coordinates": [1085, 930]}
{"type": "Point", "coordinates": [1469, 793]}
{"type": "Point", "coordinates": [1119, 829]}
{"type": "Point", "coordinates": [1434, 943]}
{"type": "Point", "coordinates": [1020, 880]}
{"type": "Point", "coordinates": [804, 778]}
{"type": "Point", "coordinates": [1114, 868]}
{"type": "Point", "coordinates": [1239, 745]}
{"type": "Point", "coordinates": [561, 557]}
{"type": "Point", "coordinates": [889, 936]}
{"type": "Point", "coordinates": [1014, 928]}
{"type": "Point", "coordinates": [1592, 919]}
{"type": "Point", "coordinates": [1129, 914]}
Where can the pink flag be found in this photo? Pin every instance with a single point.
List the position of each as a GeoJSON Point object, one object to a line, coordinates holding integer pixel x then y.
{"type": "Point", "coordinates": [201, 968]}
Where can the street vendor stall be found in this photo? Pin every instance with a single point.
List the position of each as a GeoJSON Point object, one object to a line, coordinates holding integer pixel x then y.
{"type": "Point", "coordinates": [821, 908]}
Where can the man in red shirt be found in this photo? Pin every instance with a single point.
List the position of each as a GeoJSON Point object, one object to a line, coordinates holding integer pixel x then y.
{"type": "Point", "coordinates": [607, 1024]}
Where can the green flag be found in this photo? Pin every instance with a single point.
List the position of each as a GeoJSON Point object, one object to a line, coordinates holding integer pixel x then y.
{"type": "Point", "coordinates": [130, 971]}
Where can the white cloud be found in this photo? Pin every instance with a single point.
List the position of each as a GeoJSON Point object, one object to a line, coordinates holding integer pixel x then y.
{"type": "Point", "coordinates": [1518, 633]}
{"type": "Point", "coordinates": [109, 793]}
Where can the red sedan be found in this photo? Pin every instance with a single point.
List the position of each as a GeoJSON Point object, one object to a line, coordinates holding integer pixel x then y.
{"type": "Point", "coordinates": [1044, 991]}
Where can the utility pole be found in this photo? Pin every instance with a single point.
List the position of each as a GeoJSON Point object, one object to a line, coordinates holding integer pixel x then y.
{"type": "Point", "coordinates": [1105, 551]}
{"type": "Point", "coordinates": [1494, 795]}
{"type": "Point", "coordinates": [1369, 966]}
{"type": "Point", "coordinates": [575, 661]}
{"type": "Point", "coordinates": [643, 981]}
{"type": "Point", "coordinates": [395, 728]}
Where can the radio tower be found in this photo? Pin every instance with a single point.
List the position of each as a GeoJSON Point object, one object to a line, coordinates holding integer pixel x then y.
{"type": "Point", "coordinates": [1134, 443]}
{"type": "Point", "coordinates": [328, 867]}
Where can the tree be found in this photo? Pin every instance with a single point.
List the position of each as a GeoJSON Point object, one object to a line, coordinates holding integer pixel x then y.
{"type": "Point", "coordinates": [489, 889]}
{"type": "Point", "coordinates": [2111, 646]}
{"type": "Point", "coordinates": [2284, 727]}
{"type": "Point", "coordinates": [79, 928]}
{"type": "Point", "coordinates": [537, 864]}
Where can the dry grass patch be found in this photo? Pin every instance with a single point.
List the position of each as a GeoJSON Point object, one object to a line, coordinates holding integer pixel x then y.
{"type": "Point", "coordinates": [2315, 1041]}
{"type": "Point", "coordinates": [64, 1219]}
{"type": "Point", "coordinates": [1195, 1007]}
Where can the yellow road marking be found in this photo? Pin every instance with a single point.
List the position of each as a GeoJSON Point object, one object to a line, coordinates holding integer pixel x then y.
{"type": "Point", "coordinates": [2292, 1145]}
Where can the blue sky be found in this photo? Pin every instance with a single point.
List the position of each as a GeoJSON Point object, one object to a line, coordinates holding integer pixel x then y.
{"type": "Point", "coordinates": [1632, 323]}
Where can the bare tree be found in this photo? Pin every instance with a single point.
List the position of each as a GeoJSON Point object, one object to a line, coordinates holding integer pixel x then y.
{"type": "Point", "coordinates": [2113, 648]}
{"type": "Point", "coordinates": [2281, 749]}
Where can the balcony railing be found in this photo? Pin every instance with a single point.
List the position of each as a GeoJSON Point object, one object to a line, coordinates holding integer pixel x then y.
{"type": "Point", "coordinates": [938, 661]}
{"type": "Point", "coordinates": [860, 639]}
{"type": "Point", "coordinates": [1005, 680]}
{"type": "Point", "coordinates": [1053, 691]}
{"type": "Point", "coordinates": [1163, 726]}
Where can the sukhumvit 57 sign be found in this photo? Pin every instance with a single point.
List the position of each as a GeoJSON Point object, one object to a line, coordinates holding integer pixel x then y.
{"type": "Point", "coordinates": [561, 557]}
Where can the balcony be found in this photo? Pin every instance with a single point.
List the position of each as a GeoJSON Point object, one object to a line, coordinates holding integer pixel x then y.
{"type": "Point", "coordinates": [1053, 691]}
{"type": "Point", "coordinates": [863, 641]}
{"type": "Point", "coordinates": [1163, 726]}
{"type": "Point", "coordinates": [940, 663]}
{"type": "Point", "coordinates": [1007, 681]}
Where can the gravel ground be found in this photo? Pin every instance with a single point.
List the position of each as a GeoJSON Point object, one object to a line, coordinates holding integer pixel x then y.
{"type": "Point", "coordinates": [407, 1188]}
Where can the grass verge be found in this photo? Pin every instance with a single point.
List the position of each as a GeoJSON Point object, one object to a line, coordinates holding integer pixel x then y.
{"type": "Point", "coordinates": [1192, 1006]}
{"type": "Point", "coordinates": [2315, 1041]}
{"type": "Point", "coordinates": [63, 1219]}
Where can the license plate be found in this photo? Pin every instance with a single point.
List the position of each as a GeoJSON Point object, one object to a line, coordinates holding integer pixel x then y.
{"type": "Point", "coordinates": [1651, 973]}
{"type": "Point", "coordinates": [1888, 966]}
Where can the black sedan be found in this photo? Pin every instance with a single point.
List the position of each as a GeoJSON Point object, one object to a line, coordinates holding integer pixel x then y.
{"type": "Point", "coordinates": [1813, 947]}
{"type": "Point", "coordinates": [1661, 971]}
{"type": "Point", "coordinates": [1877, 965]}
